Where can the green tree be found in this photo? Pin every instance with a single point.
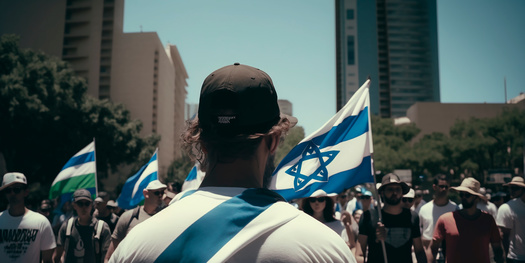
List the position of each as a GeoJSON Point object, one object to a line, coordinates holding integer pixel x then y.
{"type": "Point", "coordinates": [46, 117]}
{"type": "Point", "coordinates": [294, 136]}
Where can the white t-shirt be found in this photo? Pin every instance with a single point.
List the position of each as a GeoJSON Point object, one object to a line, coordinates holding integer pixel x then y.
{"type": "Point", "coordinates": [280, 233]}
{"type": "Point", "coordinates": [340, 229]}
{"type": "Point", "coordinates": [512, 215]}
{"type": "Point", "coordinates": [429, 214]}
{"type": "Point", "coordinates": [489, 207]}
{"type": "Point", "coordinates": [23, 237]}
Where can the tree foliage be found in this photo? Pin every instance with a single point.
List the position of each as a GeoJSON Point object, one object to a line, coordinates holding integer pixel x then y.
{"type": "Point", "coordinates": [46, 117]}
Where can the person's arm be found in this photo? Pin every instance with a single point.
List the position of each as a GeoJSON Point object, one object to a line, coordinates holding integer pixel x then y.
{"type": "Point", "coordinates": [112, 246]}
{"type": "Point", "coordinates": [419, 250]}
{"type": "Point", "coordinates": [361, 246]}
{"type": "Point", "coordinates": [57, 256]}
{"type": "Point", "coordinates": [47, 255]}
{"type": "Point", "coordinates": [505, 233]}
{"type": "Point", "coordinates": [435, 244]}
{"type": "Point", "coordinates": [347, 219]}
{"type": "Point", "coordinates": [498, 252]}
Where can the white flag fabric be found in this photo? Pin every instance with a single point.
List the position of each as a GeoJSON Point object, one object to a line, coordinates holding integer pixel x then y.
{"type": "Point", "coordinates": [335, 157]}
{"type": "Point", "coordinates": [194, 178]}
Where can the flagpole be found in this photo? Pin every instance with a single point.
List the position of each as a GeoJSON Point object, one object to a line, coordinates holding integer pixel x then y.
{"type": "Point", "coordinates": [96, 180]}
{"type": "Point", "coordinates": [379, 205]}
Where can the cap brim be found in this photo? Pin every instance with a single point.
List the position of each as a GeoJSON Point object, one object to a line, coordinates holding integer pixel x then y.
{"type": "Point", "coordinates": [9, 184]}
{"type": "Point", "coordinates": [404, 186]}
{"type": "Point", "coordinates": [516, 184]}
{"type": "Point", "coordinates": [82, 198]}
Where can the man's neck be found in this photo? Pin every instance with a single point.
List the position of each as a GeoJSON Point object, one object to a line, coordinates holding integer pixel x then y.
{"type": "Point", "coordinates": [17, 210]}
{"type": "Point", "coordinates": [84, 220]}
{"type": "Point", "coordinates": [470, 213]}
{"type": "Point", "coordinates": [441, 200]}
{"type": "Point", "coordinates": [150, 209]}
{"type": "Point", "coordinates": [393, 209]}
{"type": "Point", "coordinates": [239, 173]}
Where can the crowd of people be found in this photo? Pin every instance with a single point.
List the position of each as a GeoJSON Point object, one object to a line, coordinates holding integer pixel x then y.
{"type": "Point", "coordinates": [233, 217]}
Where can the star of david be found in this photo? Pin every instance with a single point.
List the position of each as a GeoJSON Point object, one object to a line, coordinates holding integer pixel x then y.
{"type": "Point", "coordinates": [320, 174]}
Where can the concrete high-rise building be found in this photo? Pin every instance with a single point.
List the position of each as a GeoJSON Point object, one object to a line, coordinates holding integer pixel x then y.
{"type": "Point", "coordinates": [394, 42]}
{"type": "Point", "coordinates": [129, 68]}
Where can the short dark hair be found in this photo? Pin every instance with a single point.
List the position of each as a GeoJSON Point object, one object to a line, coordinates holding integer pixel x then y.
{"type": "Point", "coordinates": [441, 177]}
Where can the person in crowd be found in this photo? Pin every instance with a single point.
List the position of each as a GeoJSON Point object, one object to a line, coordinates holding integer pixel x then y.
{"type": "Point", "coordinates": [365, 200]}
{"type": "Point", "coordinates": [82, 238]}
{"type": "Point", "coordinates": [418, 201]}
{"type": "Point", "coordinates": [114, 208]}
{"type": "Point", "coordinates": [408, 200]}
{"type": "Point", "coordinates": [357, 215]}
{"type": "Point", "coordinates": [102, 212]}
{"type": "Point", "coordinates": [511, 222]}
{"type": "Point", "coordinates": [485, 205]}
{"type": "Point", "coordinates": [431, 211]}
{"type": "Point", "coordinates": [26, 236]}
{"type": "Point", "coordinates": [498, 198]}
{"type": "Point", "coordinates": [320, 206]}
{"type": "Point", "coordinates": [152, 203]}
{"type": "Point", "coordinates": [62, 214]}
{"type": "Point", "coordinates": [341, 202]}
{"type": "Point", "coordinates": [399, 229]}
{"type": "Point", "coordinates": [353, 196]}
{"type": "Point", "coordinates": [467, 232]}
{"type": "Point", "coordinates": [232, 216]}
{"type": "Point", "coordinates": [46, 209]}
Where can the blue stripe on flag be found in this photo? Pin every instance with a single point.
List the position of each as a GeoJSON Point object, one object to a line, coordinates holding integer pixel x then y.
{"type": "Point", "coordinates": [127, 200]}
{"type": "Point", "coordinates": [337, 183]}
{"type": "Point", "coordinates": [192, 175]}
{"type": "Point", "coordinates": [81, 159]}
{"type": "Point", "coordinates": [350, 128]}
{"type": "Point", "coordinates": [228, 219]}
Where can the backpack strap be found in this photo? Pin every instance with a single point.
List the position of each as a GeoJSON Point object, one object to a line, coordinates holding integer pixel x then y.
{"type": "Point", "coordinates": [69, 229]}
{"type": "Point", "coordinates": [96, 239]}
{"type": "Point", "coordinates": [136, 212]}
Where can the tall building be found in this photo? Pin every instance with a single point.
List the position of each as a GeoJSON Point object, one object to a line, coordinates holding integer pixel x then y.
{"type": "Point", "coordinates": [134, 69]}
{"type": "Point", "coordinates": [394, 42]}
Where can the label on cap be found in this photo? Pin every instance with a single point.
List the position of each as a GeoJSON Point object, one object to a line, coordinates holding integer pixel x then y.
{"type": "Point", "coordinates": [225, 119]}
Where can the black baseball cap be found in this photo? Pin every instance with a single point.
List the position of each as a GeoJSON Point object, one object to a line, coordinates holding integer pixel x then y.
{"type": "Point", "coordinates": [238, 99]}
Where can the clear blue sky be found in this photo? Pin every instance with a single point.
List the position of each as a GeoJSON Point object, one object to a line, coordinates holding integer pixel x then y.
{"type": "Point", "coordinates": [480, 43]}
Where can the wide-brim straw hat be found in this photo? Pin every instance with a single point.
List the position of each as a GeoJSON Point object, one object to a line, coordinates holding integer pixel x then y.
{"type": "Point", "coordinates": [471, 186]}
{"type": "Point", "coordinates": [392, 178]}
{"type": "Point", "coordinates": [518, 181]}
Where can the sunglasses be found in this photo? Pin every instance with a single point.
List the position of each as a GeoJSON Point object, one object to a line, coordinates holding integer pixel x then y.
{"type": "Point", "coordinates": [418, 195]}
{"type": "Point", "coordinates": [318, 199]}
{"type": "Point", "coordinates": [364, 197]}
{"type": "Point", "coordinates": [407, 200]}
{"type": "Point", "coordinates": [15, 190]}
{"type": "Point", "coordinates": [158, 193]}
{"type": "Point", "coordinates": [443, 186]}
{"type": "Point", "coordinates": [83, 203]}
{"type": "Point", "coordinates": [515, 188]}
{"type": "Point", "coordinates": [464, 195]}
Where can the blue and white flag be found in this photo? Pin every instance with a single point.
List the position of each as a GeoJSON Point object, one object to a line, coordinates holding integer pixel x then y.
{"type": "Point", "coordinates": [194, 178]}
{"type": "Point", "coordinates": [335, 157]}
{"type": "Point", "coordinates": [131, 195]}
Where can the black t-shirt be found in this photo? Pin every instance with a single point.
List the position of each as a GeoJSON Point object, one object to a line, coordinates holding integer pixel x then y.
{"type": "Point", "coordinates": [401, 229]}
{"type": "Point", "coordinates": [81, 244]}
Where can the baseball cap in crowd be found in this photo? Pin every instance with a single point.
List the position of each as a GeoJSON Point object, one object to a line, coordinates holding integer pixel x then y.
{"type": "Point", "coordinates": [516, 180]}
{"type": "Point", "coordinates": [367, 193]}
{"type": "Point", "coordinates": [99, 200]}
{"type": "Point", "coordinates": [13, 178]}
{"type": "Point", "coordinates": [239, 99]}
{"type": "Point", "coordinates": [469, 185]}
{"type": "Point", "coordinates": [82, 194]}
{"type": "Point", "coordinates": [411, 193]}
{"type": "Point", "coordinates": [154, 185]}
{"type": "Point", "coordinates": [392, 178]}
{"type": "Point", "coordinates": [111, 203]}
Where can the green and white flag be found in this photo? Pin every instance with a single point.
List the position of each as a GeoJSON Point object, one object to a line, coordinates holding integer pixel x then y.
{"type": "Point", "coordinates": [79, 172]}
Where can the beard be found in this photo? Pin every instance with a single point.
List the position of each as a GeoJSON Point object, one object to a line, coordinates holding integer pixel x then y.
{"type": "Point", "coordinates": [268, 171]}
{"type": "Point", "coordinates": [392, 200]}
{"type": "Point", "coordinates": [466, 204]}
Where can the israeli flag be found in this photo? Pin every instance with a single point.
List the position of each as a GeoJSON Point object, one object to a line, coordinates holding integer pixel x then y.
{"type": "Point", "coordinates": [194, 178]}
{"type": "Point", "coordinates": [335, 157]}
{"type": "Point", "coordinates": [131, 195]}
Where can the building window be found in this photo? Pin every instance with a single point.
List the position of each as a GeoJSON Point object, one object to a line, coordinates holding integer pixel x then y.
{"type": "Point", "coordinates": [351, 50]}
{"type": "Point", "coordinates": [350, 14]}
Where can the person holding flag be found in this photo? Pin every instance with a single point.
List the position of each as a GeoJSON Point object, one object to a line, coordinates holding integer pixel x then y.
{"type": "Point", "coordinates": [232, 216]}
